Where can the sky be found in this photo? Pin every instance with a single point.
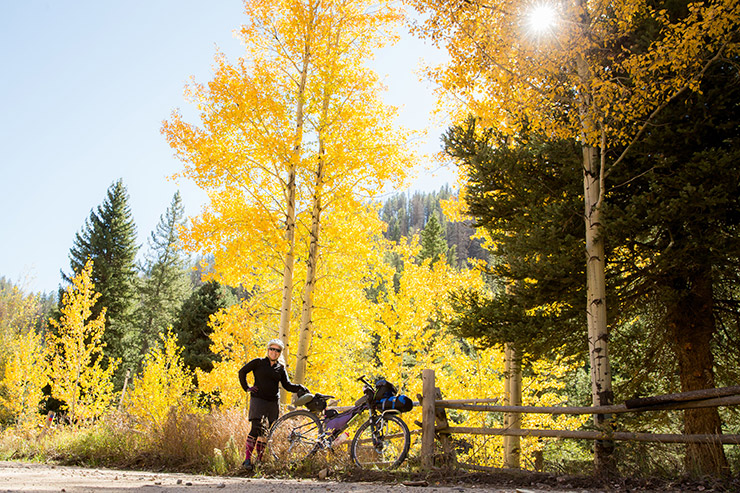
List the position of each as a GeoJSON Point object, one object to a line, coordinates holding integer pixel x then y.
{"type": "Point", "coordinates": [84, 88]}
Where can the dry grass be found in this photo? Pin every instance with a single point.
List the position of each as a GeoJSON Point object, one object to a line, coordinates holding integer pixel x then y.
{"type": "Point", "coordinates": [203, 442]}
{"type": "Point", "coordinates": [195, 442]}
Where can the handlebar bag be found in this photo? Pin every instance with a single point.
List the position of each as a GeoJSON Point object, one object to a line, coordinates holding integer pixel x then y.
{"type": "Point", "coordinates": [316, 404]}
{"type": "Point", "coordinates": [400, 403]}
{"type": "Point", "coordinates": [384, 389]}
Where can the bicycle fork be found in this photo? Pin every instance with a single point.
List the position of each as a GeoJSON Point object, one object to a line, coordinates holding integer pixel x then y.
{"type": "Point", "coordinates": [376, 429]}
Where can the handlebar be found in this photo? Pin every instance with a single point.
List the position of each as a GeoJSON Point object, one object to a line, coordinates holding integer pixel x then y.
{"type": "Point", "coordinates": [323, 396]}
{"type": "Point", "coordinates": [363, 380]}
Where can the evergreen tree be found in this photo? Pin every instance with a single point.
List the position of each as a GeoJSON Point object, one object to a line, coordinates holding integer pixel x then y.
{"type": "Point", "coordinates": [192, 326]}
{"type": "Point", "coordinates": [525, 193]}
{"type": "Point", "coordinates": [676, 218]}
{"type": "Point", "coordinates": [108, 238]}
{"type": "Point", "coordinates": [433, 242]}
{"type": "Point", "coordinates": [166, 281]}
{"type": "Point", "coordinates": [397, 214]}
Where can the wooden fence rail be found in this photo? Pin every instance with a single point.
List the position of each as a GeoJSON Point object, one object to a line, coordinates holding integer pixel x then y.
{"type": "Point", "coordinates": [472, 405]}
{"type": "Point", "coordinates": [595, 435]}
{"type": "Point", "coordinates": [434, 420]}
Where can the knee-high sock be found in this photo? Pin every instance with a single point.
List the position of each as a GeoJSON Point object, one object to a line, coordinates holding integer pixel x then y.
{"type": "Point", "coordinates": [260, 449]}
{"type": "Point", "coordinates": [251, 441]}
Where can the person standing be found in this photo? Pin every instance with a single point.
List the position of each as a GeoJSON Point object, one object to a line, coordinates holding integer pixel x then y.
{"type": "Point", "coordinates": [269, 373]}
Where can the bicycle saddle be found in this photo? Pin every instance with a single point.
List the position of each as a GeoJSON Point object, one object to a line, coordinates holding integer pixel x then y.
{"type": "Point", "coordinates": [308, 397]}
{"type": "Point", "coordinates": [304, 399]}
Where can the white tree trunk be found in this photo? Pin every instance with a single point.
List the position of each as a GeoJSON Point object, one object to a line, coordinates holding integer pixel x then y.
{"type": "Point", "coordinates": [290, 192]}
{"type": "Point", "coordinates": [593, 197]}
{"type": "Point", "coordinates": [598, 334]}
{"type": "Point", "coordinates": [306, 327]}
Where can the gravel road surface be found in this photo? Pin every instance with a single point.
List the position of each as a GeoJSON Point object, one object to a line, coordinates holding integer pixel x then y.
{"type": "Point", "coordinates": [18, 476]}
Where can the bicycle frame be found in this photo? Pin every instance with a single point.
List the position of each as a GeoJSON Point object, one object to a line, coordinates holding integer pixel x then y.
{"type": "Point", "coordinates": [330, 433]}
{"type": "Point", "coordinates": [300, 434]}
{"type": "Point", "coordinates": [328, 416]}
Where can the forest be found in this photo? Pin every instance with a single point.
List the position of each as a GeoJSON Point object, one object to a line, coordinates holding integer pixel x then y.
{"type": "Point", "coordinates": [594, 237]}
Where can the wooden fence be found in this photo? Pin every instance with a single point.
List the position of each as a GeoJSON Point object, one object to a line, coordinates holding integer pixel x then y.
{"type": "Point", "coordinates": [434, 419]}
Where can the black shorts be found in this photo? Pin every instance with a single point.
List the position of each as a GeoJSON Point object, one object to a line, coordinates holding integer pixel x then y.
{"type": "Point", "coordinates": [260, 407]}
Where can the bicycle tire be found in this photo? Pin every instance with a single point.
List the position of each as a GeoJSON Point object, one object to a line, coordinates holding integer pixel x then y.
{"type": "Point", "coordinates": [391, 448]}
{"type": "Point", "coordinates": [293, 437]}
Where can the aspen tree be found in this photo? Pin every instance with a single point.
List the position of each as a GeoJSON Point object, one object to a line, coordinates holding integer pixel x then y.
{"type": "Point", "coordinates": [251, 145]}
{"type": "Point", "coordinates": [24, 377]}
{"type": "Point", "coordinates": [80, 377]}
{"type": "Point", "coordinates": [410, 336]}
{"type": "Point", "coordinates": [300, 98]}
{"type": "Point", "coordinates": [165, 383]}
{"type": "Point", "coordinates": [355, 144]}
{"type": "Point", "coordinates": [18, 314]}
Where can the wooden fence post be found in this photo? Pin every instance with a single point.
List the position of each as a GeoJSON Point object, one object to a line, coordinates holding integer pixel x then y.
{"type": "Point", "coordinates": [123, 392]}
{"type": "Point", "coordinates": [428, 415]}
{"type": "Point", "coordinates": [513, 389]}
{"type": "Point", "coordinates": [440, 414]}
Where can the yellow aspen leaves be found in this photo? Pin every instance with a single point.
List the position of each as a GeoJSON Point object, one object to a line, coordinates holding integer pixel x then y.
{"type": "Point", "coordinates": [292, 142]}
{"type": "Point", "coordinates": [22, 364]}
{"type": "Point", "coordinates": [164, 384]}
{"type": "Point", "coordinates": [24, 377]}
{"type": "Point", "coordinates": [81, 376]}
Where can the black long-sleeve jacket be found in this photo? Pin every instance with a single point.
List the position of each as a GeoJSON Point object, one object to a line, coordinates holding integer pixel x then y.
{"type": "Point", "coordinates": [267, 379]}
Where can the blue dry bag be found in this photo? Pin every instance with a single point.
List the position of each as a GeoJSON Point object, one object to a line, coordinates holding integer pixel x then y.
{"type": "Point", "coordinates": [396, 403]}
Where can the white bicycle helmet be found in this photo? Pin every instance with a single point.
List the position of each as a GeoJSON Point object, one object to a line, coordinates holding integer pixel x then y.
{"type": "Point", "coordinates": [276, 342]}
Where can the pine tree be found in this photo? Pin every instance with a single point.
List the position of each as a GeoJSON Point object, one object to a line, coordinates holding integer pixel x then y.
{"type": "Point", "coordinates": [458, 233]}
{"type": "Point", "coordinates": [536, 267]}
{"type": "Point", "coordinates": [166, 281]}
{"type": "Point", "coordinates": [108, 238]}
{"type": "Point", "coordinates": [601, 78]}
{"type": "Point", "coordinates": [192, 326]}
{"type": "Point", "coordinates": [676, 218]}
{"type": "Point", "coordinates": [670, 244]}
{"type": "Point", "coordinates": [433, 242]}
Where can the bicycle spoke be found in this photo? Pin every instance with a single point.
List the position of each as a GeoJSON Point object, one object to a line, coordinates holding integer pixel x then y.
{"type": "Point", "coordinates": [294, 437]}
{"type": "Point", "coordinates": [387, 449]}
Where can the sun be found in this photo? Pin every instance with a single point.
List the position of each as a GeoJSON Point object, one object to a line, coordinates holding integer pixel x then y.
{"type": "Point", "coordinates": [541, 18]}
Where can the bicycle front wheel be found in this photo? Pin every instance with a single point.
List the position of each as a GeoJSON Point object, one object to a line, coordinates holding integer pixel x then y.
{"type": "Point", "coordinates": [294, 437]}
{"type": "Point", "coordinates": [383, 446]}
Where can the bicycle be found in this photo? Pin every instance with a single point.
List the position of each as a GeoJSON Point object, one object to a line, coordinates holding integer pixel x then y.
{"type": "Point", "coordinates": [382, 441]}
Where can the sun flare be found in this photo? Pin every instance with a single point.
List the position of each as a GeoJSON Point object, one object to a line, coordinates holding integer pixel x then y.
{"type": "Point", "coordinates": [541, 17]}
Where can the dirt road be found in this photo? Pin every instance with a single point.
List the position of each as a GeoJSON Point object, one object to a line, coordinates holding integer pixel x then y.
{"type": "Point", "coordinates": [15, 476]}
{"type": "Point", "coordinates": [18, 476]}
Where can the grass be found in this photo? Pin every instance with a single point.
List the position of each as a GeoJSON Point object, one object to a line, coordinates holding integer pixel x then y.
{"type": "Point", "coordinates": [198, 443]}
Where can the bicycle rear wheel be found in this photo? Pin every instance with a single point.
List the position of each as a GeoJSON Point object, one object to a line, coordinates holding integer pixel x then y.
{"type": "Point", "coordinates": [294, 437]}
{"type": "Point", "coordinates": [387, 449]}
